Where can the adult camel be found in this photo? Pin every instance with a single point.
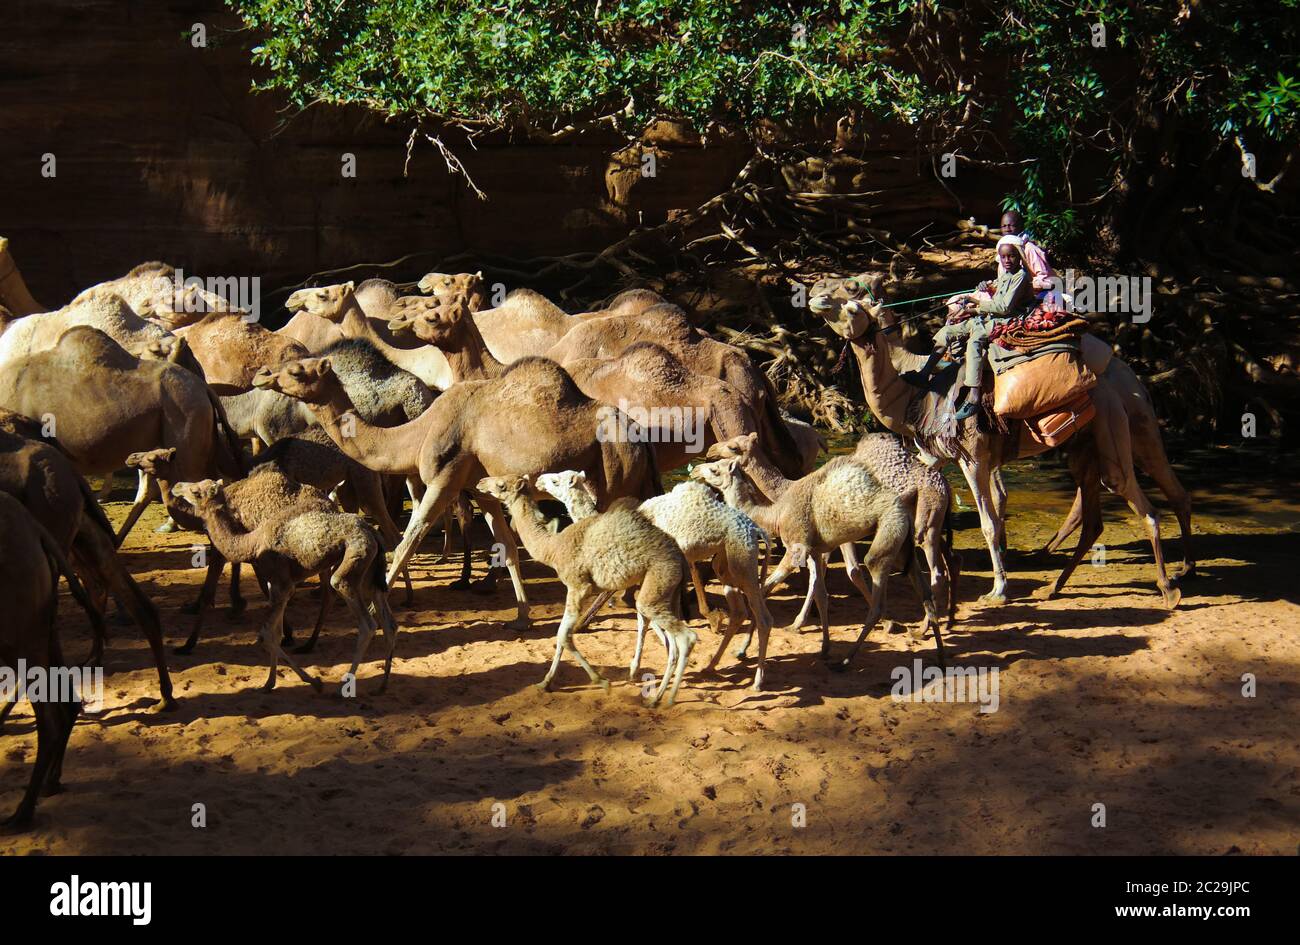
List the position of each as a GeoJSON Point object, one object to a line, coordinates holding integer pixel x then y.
{"type": "Point", "coordinates": [1105, 453]}
{"type": "Point", "coordinates": [532, 419]}
{"type": "Point", "coordinates": [104, 404]}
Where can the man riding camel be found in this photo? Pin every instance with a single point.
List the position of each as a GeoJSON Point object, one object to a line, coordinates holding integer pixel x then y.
{"type": "Point", "coordinates": [974, 316]}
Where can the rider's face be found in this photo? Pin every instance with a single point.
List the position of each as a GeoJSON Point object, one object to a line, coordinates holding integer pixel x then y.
{"type": "Point", "coordinates": [1009, 258]}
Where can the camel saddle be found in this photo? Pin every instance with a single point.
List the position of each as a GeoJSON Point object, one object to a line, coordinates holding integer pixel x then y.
{"type": "Point", "coordinates": [1048, 382]}
{"type": "Point", "coordinates": [1054, 428]}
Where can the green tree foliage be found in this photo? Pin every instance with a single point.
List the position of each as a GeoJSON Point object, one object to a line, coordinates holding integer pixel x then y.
{"type": "Point", "coordinates": [1033, 78]}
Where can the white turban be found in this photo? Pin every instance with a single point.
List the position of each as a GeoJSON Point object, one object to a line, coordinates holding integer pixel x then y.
{"type": "Point", "coordinates": [1012, 240]}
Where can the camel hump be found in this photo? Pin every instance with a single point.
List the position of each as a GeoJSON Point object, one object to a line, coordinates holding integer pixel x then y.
{"type": "Point", "coordinates": [634, 301]}
{"type": "Point", "coordinates": [669, 322]}
{"type": "Point", "coordinates": [87, 341]}
{"type": "Point", "coordinates": [650, 360]}
{"type": "Point", "coordinates": [542, 375]}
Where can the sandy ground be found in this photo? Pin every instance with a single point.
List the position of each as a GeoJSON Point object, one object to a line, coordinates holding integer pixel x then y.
{"type": "Point", "coordinates": [1104, 698]}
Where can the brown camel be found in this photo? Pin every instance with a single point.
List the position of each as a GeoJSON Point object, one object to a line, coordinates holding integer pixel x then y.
{"type": "Point", "coordinates": [292, 545]}
{"type": "Point", "coordinates": [854, 311]}
{"type": "Point", "coordinates": [532, 419]}
{"type": "Point", "coordinates": [362, 312]}
{"type": "Point", "coordinates": [42, 477]}
{"type": "Point", "coordinates": [667, 325]}
{"type": "Point", "coordinates": [679, 413]}
{"type": "Point", "coordinates": [30, 565]}
{"type": "Point", "coordinates": [526, 322]}
{"type": "Point", "coordinates": [109, 313]}
{"type": "Point", "coordinates": [231, 349]}
{"type": "Point", "coordinates": [265, 493]}
{"type": "Point", "coordinates": [104, 404]}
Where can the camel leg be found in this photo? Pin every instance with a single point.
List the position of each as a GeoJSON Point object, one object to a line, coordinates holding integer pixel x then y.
{"type": "Point", "coordinates": [143, 496]}
{"type": "Point", "coordinates": [429, 510]}
{"type": "Point", "coordinates": [496, 519]}
{"type": "Point", "coordinates": [271, 631]}
{"type": "Point", "coordinates": [979, 476]}
{"type": "Point", "coordinates": [207, 594]}
{"type": "Point", "coordinates": [326, 598]}
{"type": "Point", "coordinates": [859, 578]}
{"type": "Point", "coordinates": [1083, 466]}
{"type": "Point", "coordinates": [573, 609]}
{"type": "Point", "coordinates": [999, 496]}
{"type": "Point", "coordinates": [877, 564]}
{"type": "Point", "coordinates": [701, 599]}
{"type": "Point", "coordinates": [1149, 454]}
{"type": "Point", "coordinates": [735, 617]}
{"type": "Point", "coordinates": [48, 734]}
{"type": "Point", "coordinates": [369, 491]}
{"type": "Point", "coordinates": [817, 588]}
{"type": "Point", "coordinates": [682, 640]}
{"type": "Point", "coordinates": [925, 594]}
{"type": "Point", "coordinates": [463, 514]}
{"type": "Point", "coordinates": [1072, 522]}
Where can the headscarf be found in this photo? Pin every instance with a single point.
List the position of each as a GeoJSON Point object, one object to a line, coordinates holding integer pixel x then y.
{"type": "Point", "coordinates": [1011, 240]}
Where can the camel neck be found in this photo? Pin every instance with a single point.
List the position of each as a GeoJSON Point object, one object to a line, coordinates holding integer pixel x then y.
{"type": "Point", "coordinates": [541, 544]}
{"type": "Point", "coordinates": [887, 394]}
{"type": "Point", "coordinates": [393, 451]}
{"type": "Point", "coordinates": [765, 475]}
{"type": "Point", "coordinates": [233, 543]}
{"type": "Point", "coordinates": [743, 495]}
{"type": "Point", "coordinates": [469, 356]}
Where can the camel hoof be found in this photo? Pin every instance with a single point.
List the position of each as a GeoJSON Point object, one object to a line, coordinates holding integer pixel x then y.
{"type": "Point", "coordinates": [168, 705]}
{"type": "Point", "coordinates": [603, 683]}
{"type": "Point", "coordinates": [519, 623]}
{"type": "Point", "coordinates": [483, 586]}
{"type": "Point", "coordinates": [166, 528]}
{"type": "Point", "coordinates": [304, 647]}
{"type": "Point", "coordinates": [993, 600]}
{"type": "Point", "coordinates": [839, 667]}
{"type": "Point", "coordinates": [185, 649]}
{"type": "Point", "coordinates": [891, 626]}
{"type": "Point", "coordinates": [918, 632]}
{"type": "Point", "coordinates": [1046, 592]}
{"type": "Point", "coordinates": [317, 685]}
{"type": "Point", "coordinates": [460, 584]}
{"type": "Point", "coordinates": [542, 686]}
{"type": "Point", "coordinates": [1172, 596]}
{"type": "Point", "coordinates": [236, 610]}
{"type": "Point", "coordinates": [52, 788]}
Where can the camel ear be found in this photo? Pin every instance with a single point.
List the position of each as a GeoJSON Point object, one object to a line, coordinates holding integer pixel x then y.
{"type": "Point", "coordinates": [170, 451]}
{"type": "Point", "coordinates": [349, 286]}
{"type": "Point", "coordinates": [219, 483]}
{"type": "Point", "coordinates": [324, 367]}
{"type": "Point", "coordinates": [479, 274]}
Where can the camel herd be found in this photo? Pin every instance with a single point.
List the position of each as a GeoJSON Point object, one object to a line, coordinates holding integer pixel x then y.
{"type": "Point", "coordinates": [294, 451]}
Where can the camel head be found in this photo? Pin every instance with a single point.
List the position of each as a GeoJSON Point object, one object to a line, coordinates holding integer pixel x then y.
{"type": "Point", "coordinates": [328, 301]}
{"type": "Point", "coordinates": [506, 489]}
{"type": "Point", "coordinates": [414, 314]}
{"type": "Point", "coordinates": [470, 284]}
{"type": "Point", "coordinates": [153, 462]}
{"type": "Point", "coordinates": [564, 485]}
{"type": "Point", "coordinates": [718, 474]}
{"type": "Point", "coordinates": [307, 379]}
{"type": "Point", "coordinates": [202, 496]}
{"type": "Point", "coordinates": [435, 320]}
{"type": "Point", "coordinates": [850, 306]}
{"type": "Point", "coordinates": [738, 447]}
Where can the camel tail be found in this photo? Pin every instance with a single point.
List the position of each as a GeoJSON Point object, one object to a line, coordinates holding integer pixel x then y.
{"type": "Point", "coordinates": [94, 511]}
{"type": "Point", "coordinates": [60, 565]}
